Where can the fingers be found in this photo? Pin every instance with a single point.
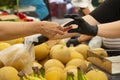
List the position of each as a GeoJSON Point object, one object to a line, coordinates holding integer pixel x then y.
{"type": "Point", "coordinates": [60, 30]}
{"type": "Point", "coordinates": [72, 31]}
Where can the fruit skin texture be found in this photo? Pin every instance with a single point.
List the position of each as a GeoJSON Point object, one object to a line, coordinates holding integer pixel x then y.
{"type": "Point", "coordinates": [8, 73]}
{"type": "Point", "coordinates": [77, 63]}
{"type": "Point", "coordinates": [82, 48]}
{"type": "Point", "coordinates": [15, 41]}
{"type": "Point", "coordinates": [60, 52]}
{"type": "Point", "coordinates": [54, 69]}
{"type": "Point", "coordinates": [100, 52]}
{"type": "Point", "coordinates": [4, 45]}
{"type": "Point", "coordinates": [96, 75]}
{"type": "Point", "coordinates": [41, 51]}
{"type": "Point", "coordinates": [53, 62]}
{"type": "Point", "coordinates": [75, 54]}
{"type": "Point", "coordinates": [54, 74]}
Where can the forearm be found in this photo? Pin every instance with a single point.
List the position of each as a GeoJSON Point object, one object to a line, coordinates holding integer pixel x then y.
{"type": "Point", "coordinates": [91, 20]}
{"type": "Point", "coordinates": [11, 30]}
{"type": "Point", "coordinates": [110, 30]}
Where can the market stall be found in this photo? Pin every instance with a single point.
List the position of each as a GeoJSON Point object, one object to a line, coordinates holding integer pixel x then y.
{"type": "Point", "coordinates": [22, 59]}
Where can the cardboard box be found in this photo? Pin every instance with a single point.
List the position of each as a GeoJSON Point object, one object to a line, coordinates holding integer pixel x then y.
{"type": "Point", "coordinates": [110, 65]}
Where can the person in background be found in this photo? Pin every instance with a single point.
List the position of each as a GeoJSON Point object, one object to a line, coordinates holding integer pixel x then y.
{"type": "Point", "coordinates": [104, 21]}
{"type": "Point", "coordinates": [56, 1]}
{"type": "Point", "coordinates": [69, 7]}
{"type": "Point", "coordinates": [85, 6]}
{"type": "Point", "coordinates": [13, 30]}
{"type": "Point", "coordinates": [40, 7]}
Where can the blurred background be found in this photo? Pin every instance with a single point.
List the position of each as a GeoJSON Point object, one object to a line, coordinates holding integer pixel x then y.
{"type": "Point", "coordinates": [50, 10]}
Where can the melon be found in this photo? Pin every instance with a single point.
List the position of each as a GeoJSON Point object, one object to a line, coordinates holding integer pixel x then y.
{"type": "Point", "coordinates": [96, 75]}
{"type": "Point", "coordinates": [8, 73]}
{"type": "Point", "coordinates": [60, 52]}
{"type": "Point", "coordinates": [82, 49]}
{"type": "Point", "coordinates": [54, 73]}
{"type": "Point", "coordinates": [41, 51]}
{"type": "Point", "coordinates": [78, 63]}
{"type": "Point", "coordinates": [53, 63]}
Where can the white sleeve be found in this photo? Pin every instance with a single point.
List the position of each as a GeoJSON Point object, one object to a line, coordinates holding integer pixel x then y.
{"type": "Point", "coordinates": [81, 3]}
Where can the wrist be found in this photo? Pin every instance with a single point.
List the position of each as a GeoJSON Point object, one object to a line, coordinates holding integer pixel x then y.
{"type": "Point", "coordinates": [37, 27]}
{"type": "Point", "coordinates": [95, 30]}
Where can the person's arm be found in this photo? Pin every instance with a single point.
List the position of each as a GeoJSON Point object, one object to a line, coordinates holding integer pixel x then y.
{"type": "Point", "coordinates": [91, 21]}
{"type": "Point", "coordinates": [109, 30]}
{"type": "Point", "coordinates": [12, 30]}
{"type": "Point", "coordinates": [104, 14]}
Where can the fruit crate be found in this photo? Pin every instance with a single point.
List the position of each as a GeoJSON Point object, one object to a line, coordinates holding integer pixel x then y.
{"type": "Point", "coordinates": [110, 65]}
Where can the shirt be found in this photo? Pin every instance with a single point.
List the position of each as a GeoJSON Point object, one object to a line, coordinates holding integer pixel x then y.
{"type": "Point", "coordinates": [41, 8]}
{"type": "Point", "coordinates": [108, 11]}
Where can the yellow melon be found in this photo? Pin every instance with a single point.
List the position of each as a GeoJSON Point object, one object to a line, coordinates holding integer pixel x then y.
{"type": "Point", "coordinates": [8, 73]}
{"type": "Point", "coordinates": [60, 52]}
{"type": "Point", "coordinates": [70, 67]}
{"type": "Point", "coordinates": [77, 63]}
{"type": "Point", "coordinates": [53, 63]}
{"type": "Point", "coordinates": [41, 51]}
{"type": "Point", "coordinates": [82, 48]}
{"type": "Point", "coordinates": [75, 54]}
{"type": "Point", "coordinates": [53, 75]}
{"type": "Point", "coordinates": [54, 68]}
{"type": "Point", "coordinates": [96, 75]}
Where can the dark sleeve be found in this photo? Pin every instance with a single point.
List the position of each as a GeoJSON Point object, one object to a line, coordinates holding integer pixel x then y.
{"type": "Point", "coordinates": [108, 11]}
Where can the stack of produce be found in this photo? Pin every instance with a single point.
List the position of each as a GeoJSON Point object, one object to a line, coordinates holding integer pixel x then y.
{"type": "Point", "coordinates": [58, 62]}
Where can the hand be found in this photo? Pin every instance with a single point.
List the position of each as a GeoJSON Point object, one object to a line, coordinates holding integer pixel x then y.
{"type": "Point", "coordinates": [50, 29]}
{"type": "Point", "coordinates": [84, 27]}
{"type": "Point", "coordinates": [73, 41]}
{"type": "Point", "coordinates": [84, 38]}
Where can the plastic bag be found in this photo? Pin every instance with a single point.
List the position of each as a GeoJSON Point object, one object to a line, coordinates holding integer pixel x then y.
{"type": "Point", "coordinates": [20, 56]}
{"type": "Point", "coordinates": [95, 42]}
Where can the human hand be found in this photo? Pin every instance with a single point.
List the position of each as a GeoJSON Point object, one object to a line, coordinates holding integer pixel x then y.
{"type": "Point", "coordinates": [83, 27]}
{"type": "Point", "coordinates": [73, 41]}
{"type": "Point", "coordinates": [50, 29]}
{"type": "Point", "coordinates": [84, 38]}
